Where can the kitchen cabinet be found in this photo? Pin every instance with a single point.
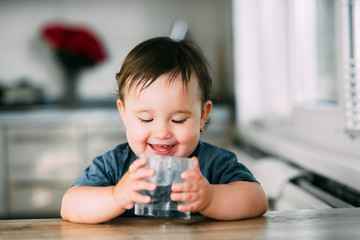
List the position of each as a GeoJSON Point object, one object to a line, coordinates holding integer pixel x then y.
{"type": "Point", "coordinates": [42, 161]}
{"type": "Point", "coordinates": [33, 199]}
{"type": "Point", "coordinates": [47, 151]}
{"type": "Point", "coordinates": [42, 152]}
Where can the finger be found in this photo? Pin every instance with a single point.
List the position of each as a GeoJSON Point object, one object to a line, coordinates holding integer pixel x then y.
{"type": "Point", "coordinates": [183, 208]}
{"type": "Point", "coordinates": [196, 163]}
{"type": "Point", "coordinates": [143, 185]}
{"type": "Point", "coordinates": [175, 197]}
{"type": "Point", "coordinates": [130, 205]}
{"type": "Point", "coordinates": [139, 198]}
{"type": "Point", "coordinates": [138, 163]}
{"type": "Point", "coordinates": [187, 207]}
{"type": "Point", "coordinates": [141, 173]}
{"type": "Point", "coordinates": [183, 197]}
{"type": "Point", "coordinates": [191, 174]}
{"type": "Point", "coordinates": [177, 187]}
{"type": "Point", "coordinates": [185, 187]}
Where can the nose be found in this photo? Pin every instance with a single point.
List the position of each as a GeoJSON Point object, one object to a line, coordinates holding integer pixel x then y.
{"type": "Point", "coordinates": [162, 130]}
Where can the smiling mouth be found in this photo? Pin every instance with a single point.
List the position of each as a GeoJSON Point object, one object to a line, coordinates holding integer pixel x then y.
{"type": "Point", "coordinates": [161, 148]}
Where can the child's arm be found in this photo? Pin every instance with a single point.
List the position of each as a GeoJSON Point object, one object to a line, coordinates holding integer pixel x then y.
{"type": "Point", "coordinates": [236, 200]}
{"type": "Point", "coordinates": [86, 204]}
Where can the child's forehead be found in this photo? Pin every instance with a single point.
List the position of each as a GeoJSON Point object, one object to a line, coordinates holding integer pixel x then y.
{"type": "Point", "coordinates": [164, 82]}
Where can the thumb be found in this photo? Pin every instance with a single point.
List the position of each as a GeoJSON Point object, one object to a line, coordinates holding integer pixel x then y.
{"type": "Point", "coordinates": [196, 163]}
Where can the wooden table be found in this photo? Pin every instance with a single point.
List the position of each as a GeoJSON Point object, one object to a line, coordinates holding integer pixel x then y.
{"type": "Point", "coordinates": [339, 224]}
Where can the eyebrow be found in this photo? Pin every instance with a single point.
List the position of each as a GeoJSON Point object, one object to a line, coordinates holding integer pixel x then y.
{"type": "Point", "coordinates": [183, 112]}
{"type": "Point", "coordinates": [143, 111]}
{"type": "Point", "coordinates": [176, 112]}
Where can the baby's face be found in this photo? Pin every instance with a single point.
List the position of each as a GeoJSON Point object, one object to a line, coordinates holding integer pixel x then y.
{"type": "Point", "coordinates": [164, 118]}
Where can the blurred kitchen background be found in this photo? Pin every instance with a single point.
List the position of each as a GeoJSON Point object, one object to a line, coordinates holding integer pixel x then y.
{"type": "Point", "coordinates": [286, 92]}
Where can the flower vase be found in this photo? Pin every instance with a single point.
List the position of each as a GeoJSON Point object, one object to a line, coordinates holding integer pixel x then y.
{"type": "Point", "coordinates": [70, 97]}
{"type": "Point", "coordinates": [72, 65]}
{"type": "Point", "coordinates": [76, 47]}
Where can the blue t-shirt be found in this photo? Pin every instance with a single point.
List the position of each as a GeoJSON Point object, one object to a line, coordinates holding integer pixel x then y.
{"type": "Point", "coordinates": [218, 165]}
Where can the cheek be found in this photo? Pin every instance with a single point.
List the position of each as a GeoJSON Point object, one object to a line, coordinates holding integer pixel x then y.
{"type": "Point", "coordinates": [137, 133]}
{"type": "Point", "coordinates": [189, 137]}
{"type": "Point", "coordinates": [137, 138]}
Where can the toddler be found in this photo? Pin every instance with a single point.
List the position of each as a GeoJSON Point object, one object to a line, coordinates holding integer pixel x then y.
{"type": "Point", "coordinates": [164, 91]}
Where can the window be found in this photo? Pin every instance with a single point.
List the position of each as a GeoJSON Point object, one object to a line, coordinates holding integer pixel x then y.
{"type": "Point", "coordinates": [351, 66]}
{"type": "Point", "coordinates": [298, 81]}
{"type": "Point", "coordinates": [326, 51]}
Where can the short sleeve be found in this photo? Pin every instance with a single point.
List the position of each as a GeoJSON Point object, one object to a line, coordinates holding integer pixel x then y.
{"type": "Point", "coordinates": [221, 166]}
{"type": "Point", "coordinates": [228, 169]}
{"type": "Point", "coordinates": [107, 169]}
{"type": "Point", "coordinates": [97, 174]}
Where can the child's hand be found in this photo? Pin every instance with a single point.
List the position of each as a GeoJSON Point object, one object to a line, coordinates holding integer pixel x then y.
{"type": "Point", "coordinates": [126, 190]}
{"type": "Point", "coordinates": [197, 192]}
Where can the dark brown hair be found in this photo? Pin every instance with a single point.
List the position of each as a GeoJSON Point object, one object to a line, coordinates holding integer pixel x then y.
{"type": "Point", "coordinates": [162, 55]}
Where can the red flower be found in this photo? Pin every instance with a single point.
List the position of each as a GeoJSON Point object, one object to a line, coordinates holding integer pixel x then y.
{"type": "Point", "coordinates": [77, 40]}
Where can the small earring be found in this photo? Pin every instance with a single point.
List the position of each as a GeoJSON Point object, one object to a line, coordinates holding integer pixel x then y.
{"type": "Point", "coordinates": [201, 129]}
{"type": "Point", "coordinates": [125, 129]}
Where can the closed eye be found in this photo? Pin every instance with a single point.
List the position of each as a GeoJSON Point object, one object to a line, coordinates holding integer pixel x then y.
{"type": "Point", "coordinates": [179, 121]}
{"type": "Point", "coordinates": [145, 120]}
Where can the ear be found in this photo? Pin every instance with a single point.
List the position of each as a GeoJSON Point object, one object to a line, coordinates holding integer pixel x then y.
{"type": "Point", "coordinates": [205, 112]}
{"type": "Point", "coordinates": [121, 108]}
